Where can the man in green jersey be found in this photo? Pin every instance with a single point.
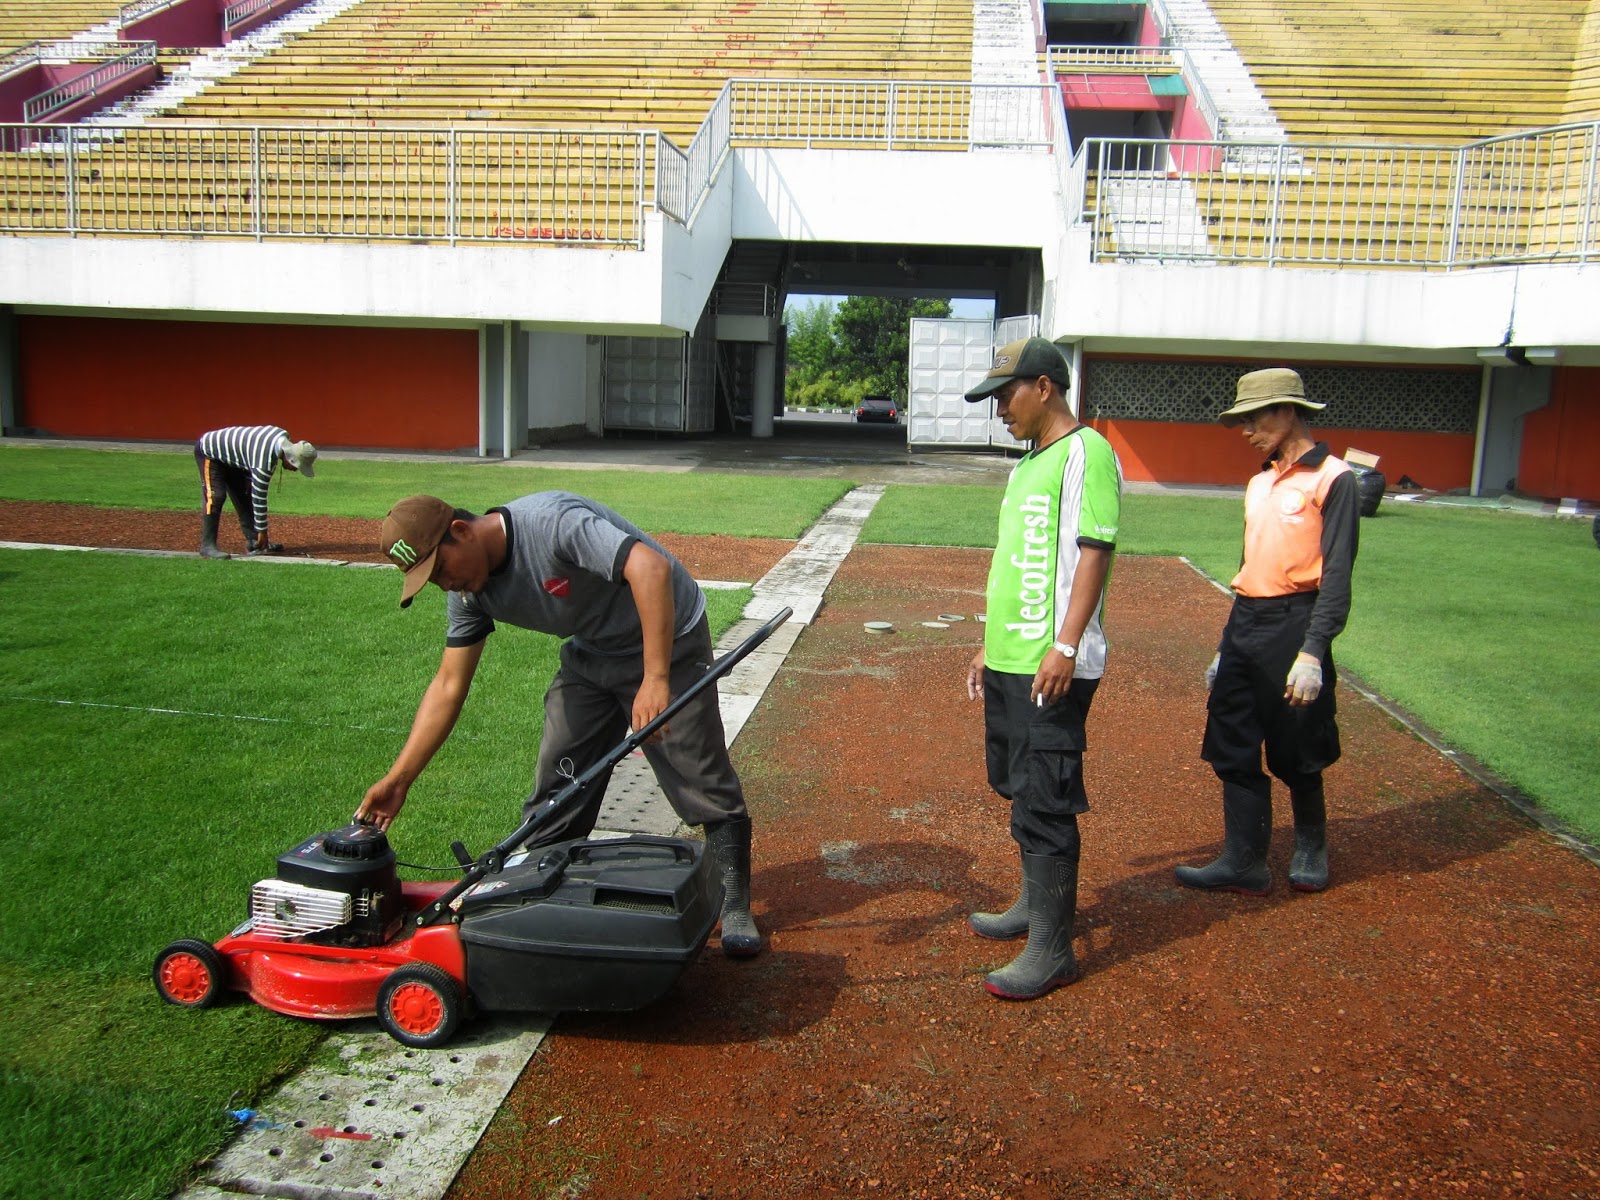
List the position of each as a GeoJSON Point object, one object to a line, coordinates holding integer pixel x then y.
{"type": "Point", "coordinates": [1044, 651]}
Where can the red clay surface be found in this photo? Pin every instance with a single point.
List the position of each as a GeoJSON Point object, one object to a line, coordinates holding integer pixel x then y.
{"type": "Point", "coordinates": [353, 539]}
{"type": "Point", "coordinates": [1428, 1027]}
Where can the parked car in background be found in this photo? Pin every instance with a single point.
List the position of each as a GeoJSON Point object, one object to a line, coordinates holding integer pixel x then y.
{"type": "Point", "coordinates": [877, 408]}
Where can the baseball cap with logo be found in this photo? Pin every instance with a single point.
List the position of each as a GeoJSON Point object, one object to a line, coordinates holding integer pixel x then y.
{"type": "Point", "coordinates": [411, 535]}
{"type": "Point", "coordinates": [1025, 359]}
{"type": "Point", "coordinates": [302, 456]}
{"type": "Point", "coordinates": [1263, 389]}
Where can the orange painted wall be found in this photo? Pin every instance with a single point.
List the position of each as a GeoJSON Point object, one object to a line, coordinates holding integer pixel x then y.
{"type": "Point", "coordinates": [357, 386]}
{"type": "Point", "coordinates": [1561, 441]}
{"type": "Point", "coordinates": [1184, 452]}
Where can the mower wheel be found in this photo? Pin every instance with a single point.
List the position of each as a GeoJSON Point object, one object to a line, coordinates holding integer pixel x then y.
{"type": "Point", "coordinates": [420, 1005]}
{"type": "Point", "coordinates": [190, 973]}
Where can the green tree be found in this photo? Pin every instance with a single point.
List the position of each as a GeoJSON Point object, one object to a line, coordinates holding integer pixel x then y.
{"type": "Point", "coordinates": [872, 337]}
{"type": "Point", "coordinates": [810, 350]}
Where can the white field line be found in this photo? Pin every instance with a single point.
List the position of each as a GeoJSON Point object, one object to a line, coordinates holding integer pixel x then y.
{"type": "Point", "coordinates": [185, 712]}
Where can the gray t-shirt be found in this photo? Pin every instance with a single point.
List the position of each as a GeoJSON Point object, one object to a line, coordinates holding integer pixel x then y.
{"type": "Point", "coordinates": [563, 576]}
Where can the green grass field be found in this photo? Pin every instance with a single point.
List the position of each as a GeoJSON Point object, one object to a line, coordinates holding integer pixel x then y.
{"type": "Point", "coordinates": [658, 501]}
{"type": "Point", "coordinates": [171, 725]}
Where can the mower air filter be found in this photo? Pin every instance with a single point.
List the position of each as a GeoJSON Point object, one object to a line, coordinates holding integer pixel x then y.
{"type": "Point", "coordinates": [288, 910]}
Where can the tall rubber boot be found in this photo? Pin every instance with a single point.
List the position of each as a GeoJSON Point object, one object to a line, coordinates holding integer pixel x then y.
{"type": "Point", "coordinates": [1247, 830]}
{"type": "Point", "coordinates": [1046, 962]}
{"type": "Point", "coordinates": [208, 536]}
{"type": "Point", "coordinates": [730, 842]}
{"type": "Point", "coordinates": [1012, 923]}
{"type": "Point", "coordinates": [1308, 867]}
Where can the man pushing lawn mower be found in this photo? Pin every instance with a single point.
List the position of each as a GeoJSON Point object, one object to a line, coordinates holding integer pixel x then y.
{"type": "Point", "coordinates": [636, 634]}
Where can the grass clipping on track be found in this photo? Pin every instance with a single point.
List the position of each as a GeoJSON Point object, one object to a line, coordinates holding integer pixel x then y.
{"type": "Point", "coordinates": [168, 727]}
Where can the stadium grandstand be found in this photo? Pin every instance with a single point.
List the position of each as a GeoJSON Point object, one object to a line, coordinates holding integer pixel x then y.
{"type": "Point", "coordinates": [478, 226]}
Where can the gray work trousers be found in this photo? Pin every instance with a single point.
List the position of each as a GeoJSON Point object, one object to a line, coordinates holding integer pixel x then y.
{"type": "Point", "coordinates": [587, 712]}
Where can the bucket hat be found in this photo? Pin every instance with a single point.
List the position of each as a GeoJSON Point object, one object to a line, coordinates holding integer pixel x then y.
{"type": "Point", "coordinates": [302, 456]}
{"type": "Point", "coordinates": [1263, 389]}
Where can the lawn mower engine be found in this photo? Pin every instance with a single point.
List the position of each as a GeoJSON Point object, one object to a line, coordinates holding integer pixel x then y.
{"type": "Point", "coordinates": [336, 889]}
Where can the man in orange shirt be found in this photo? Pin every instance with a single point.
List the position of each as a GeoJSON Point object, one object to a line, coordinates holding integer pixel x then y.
{"type": "Point", "coordinates": [1271, 682]}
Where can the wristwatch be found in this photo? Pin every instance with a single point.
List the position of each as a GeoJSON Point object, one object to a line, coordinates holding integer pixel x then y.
{"type": "Point", "coordinates": [1065, 650]}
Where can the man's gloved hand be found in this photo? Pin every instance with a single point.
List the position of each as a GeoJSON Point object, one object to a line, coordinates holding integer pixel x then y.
{"type": "Point", "coordinates": [1211, 671]}
{"type": "Point", "coordinates": [1304, 682]}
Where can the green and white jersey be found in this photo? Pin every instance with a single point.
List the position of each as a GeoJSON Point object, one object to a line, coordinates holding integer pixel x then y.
{"type": "Point", "coordinates": [1059, 499]}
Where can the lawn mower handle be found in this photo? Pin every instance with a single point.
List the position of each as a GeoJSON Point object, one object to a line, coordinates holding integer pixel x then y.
{"type": "Point", "coordinates": [491, 862]}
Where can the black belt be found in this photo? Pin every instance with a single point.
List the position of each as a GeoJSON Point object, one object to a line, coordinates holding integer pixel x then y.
{"type": "Point", "coordinates": [1266, 604]}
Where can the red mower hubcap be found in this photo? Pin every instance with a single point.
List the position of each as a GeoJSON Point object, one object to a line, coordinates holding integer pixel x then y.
{"type": "Point", "coordinates": [185, 978]}
{"type": "Point", "coordinates": [416, 1008]}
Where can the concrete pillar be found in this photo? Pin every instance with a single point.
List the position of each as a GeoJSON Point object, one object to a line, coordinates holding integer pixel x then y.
{"type": "Point", "coordinates": [765, 398]}
{"type": "Point", "coordinates": [1510, 394]}
{"type": "Point", "coordinates": [502, 390]}
{"type": "Point", "coordinates": [492, 377]}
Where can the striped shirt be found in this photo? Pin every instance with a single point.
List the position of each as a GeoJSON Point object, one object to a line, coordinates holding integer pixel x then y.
{"type": "Point", "coordinates": [253, 448]}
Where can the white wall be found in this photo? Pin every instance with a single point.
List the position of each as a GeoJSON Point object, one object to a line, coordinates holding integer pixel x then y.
{"type": "Point", "coordinates": [554, 287]}
{"type": "Point", "coordinates": [1369, 315]}
{"type": "Point", "coordinates": [557, 381]}
{"type": "Point", "coordinates": [982, 197]}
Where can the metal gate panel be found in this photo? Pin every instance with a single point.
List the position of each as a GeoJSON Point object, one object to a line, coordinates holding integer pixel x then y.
{"type": "Point", "coordinates": [947, 357]}
{"type": "Point", "coordinates": [1011, 329]}
{"type": "Point", "coordinates": [645, 383]}
{"type": "Point", "coordinates": [1006, 331]}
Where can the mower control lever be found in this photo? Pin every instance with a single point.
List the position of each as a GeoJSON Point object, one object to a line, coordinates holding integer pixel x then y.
{"type": "Point", "coordinates": [460, 851]}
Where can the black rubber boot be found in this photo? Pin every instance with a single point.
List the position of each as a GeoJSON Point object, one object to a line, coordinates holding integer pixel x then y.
{"type": "Point", "coordinates": [730, 842]}
{"type": "Point", "coordinates": [208, 536]}
{"type": "Point", "coordinates": [1012, 923]}
{"type": "Point", "coordinates": [1046, 962]}
{"type": "Point", "coordinates": [1308, 867]}
{"type": "Point", "coordinates": [1247, 830]}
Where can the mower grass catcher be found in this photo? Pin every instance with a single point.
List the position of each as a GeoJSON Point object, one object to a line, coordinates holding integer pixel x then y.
{"type": "Point", "coordinates": [603, 925]}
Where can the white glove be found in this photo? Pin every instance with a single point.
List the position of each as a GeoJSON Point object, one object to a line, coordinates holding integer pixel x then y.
{"type": "Point", "coordinates": [1305, 680]}
{"type": "Point", "coordinates": [1211, 671]}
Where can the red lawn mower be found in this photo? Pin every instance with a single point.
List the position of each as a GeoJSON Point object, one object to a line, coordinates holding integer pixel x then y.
{"type": "Point", "coordinates": [587, 925]}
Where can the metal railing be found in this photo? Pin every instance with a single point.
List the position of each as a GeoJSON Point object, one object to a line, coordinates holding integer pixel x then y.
{"type": "Point", "coordinates": [1529, 197]}
{"type": "Point", "coordinates": [136, 56]}
{"type": "Point", "coordinates": [236, 14]}
{"type": "Point", "coordinates": [889, 115]}
{"type": "Point", "coordinates": [1124, 60]}
{"type": "Point", "coordinates": [385, 183]}
{"type": "Point", "coordinates": [66, 50]}
{"type": "Point", "coordinates": [138, 9]}
{"type": "Point", "coordinates": [744, 299]}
